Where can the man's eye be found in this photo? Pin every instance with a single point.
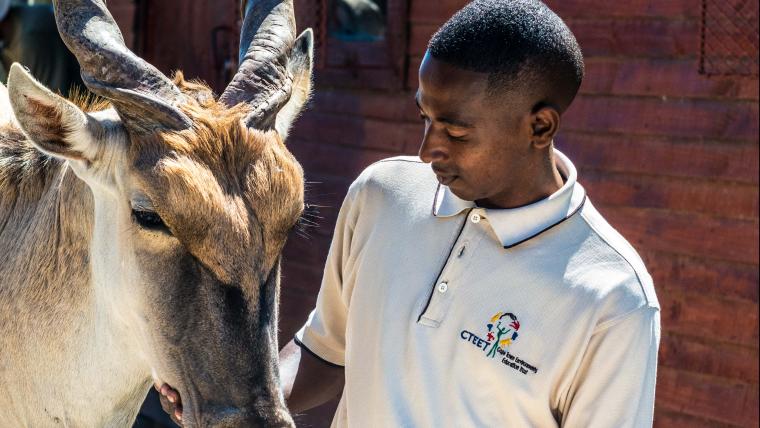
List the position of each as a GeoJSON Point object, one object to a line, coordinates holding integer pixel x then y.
{"type": "Point", "coordinates": [459, 139]}
{"type": "Point", "coordinates": [148, 219]}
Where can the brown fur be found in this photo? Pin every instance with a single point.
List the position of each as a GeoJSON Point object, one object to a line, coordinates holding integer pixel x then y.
{"type": "Point", "coordinates": [228, 195]}
{"type": "Point", "coordinates": [219, 169]}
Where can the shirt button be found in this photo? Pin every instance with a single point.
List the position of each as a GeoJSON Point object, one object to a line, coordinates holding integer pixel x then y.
{"type": "Point", "coordinates": [442, 287]}
{"type": "Point", "coordinates": [475, 218]}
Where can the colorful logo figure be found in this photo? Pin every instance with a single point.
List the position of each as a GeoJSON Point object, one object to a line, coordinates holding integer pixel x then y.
{"type": "Point", "coordinates": [502, 331]}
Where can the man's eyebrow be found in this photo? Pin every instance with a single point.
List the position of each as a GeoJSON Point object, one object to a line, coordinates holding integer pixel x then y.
{"type": "Point", "coordinates": [450, 121]}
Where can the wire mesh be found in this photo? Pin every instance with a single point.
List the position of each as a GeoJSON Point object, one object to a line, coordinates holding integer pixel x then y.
{"type": "Point", "coordinates": [729, 39]}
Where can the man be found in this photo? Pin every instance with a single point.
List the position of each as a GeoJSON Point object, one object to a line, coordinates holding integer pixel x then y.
{"type": "Point", "coordinates": [486, 290]}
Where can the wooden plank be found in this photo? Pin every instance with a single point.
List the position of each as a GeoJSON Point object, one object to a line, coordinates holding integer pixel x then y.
{"type": "Point", "coordinates": [661, 156]}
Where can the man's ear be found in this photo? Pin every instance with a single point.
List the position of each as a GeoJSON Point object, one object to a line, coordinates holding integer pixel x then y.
{"type": "Point", "coordinates": [545, 124]}
{"type": "Point", "coordinates": [300, 67]}
{"type": "Point", "coordinates": [54, 124]}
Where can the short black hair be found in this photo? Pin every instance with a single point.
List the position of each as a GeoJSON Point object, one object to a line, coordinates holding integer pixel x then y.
{"type": "Point", "coordinates": [521, 44]}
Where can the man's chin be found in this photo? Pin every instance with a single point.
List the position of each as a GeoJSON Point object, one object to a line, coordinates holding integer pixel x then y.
{"type": "Point", "coordinates": [460, 191]}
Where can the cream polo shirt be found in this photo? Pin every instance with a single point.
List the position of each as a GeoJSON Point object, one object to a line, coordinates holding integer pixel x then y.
{"type": "Point", "coordinates": [445, 314]}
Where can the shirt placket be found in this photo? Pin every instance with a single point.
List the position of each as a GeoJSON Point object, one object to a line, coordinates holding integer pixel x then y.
{"type": "Point", "coordinates": [450, 280]}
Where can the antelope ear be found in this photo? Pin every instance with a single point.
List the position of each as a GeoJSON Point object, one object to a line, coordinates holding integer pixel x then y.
{"type": "Point", "coordinates": [300, 67]}
{"type": "Point", "coordinates": [54, 124]}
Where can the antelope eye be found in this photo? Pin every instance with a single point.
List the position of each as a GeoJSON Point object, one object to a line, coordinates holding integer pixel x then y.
{"type": "Point", "coordinates": [148, 220]}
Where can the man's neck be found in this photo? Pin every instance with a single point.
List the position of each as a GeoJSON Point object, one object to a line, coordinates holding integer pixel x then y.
{"type": "Point", "coordinates": [541, 180]}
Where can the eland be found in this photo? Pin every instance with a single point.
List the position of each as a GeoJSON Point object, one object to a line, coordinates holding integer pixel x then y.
{"type": "Point", "coordinates": [140, 237]}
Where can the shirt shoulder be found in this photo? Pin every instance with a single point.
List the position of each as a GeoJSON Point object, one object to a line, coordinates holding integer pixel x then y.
{"type": "Point", "coordinates": [394, 177]}
{"type": "Point", "coordinates": [611, 270]}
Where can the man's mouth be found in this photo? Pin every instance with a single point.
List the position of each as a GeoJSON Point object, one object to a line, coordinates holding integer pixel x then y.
{"type": "Point", "coordinates": [446, 179]}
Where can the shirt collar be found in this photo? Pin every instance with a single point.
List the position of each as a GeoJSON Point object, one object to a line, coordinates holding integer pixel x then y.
{"type": "Point", "coordinates": [516, 225]}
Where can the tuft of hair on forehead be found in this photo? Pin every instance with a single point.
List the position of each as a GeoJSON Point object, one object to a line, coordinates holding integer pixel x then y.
{"type": "Point", "coordinates": [220, 172]}
{"type": "Point", "coordinates": [219, 138]}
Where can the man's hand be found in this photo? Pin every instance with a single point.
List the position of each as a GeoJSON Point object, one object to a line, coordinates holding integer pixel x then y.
{"type": "Point", "coordinates": [170, 402]}
{"type": "Point", "coordinates": [308, 381]}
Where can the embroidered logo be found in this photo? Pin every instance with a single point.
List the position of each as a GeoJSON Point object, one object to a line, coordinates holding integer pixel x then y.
{"type": "Point", "coordinates": [506, 326]}
{"type": "Point", "coordinates": [502, 331]}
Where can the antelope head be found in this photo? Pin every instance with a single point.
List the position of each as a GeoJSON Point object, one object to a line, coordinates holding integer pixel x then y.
{"type": "Point", "coordinates": [193, 196]}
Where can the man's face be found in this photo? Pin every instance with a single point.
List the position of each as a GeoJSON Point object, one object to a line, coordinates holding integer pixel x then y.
{"type": "Point", "coordinates": [477, 144]}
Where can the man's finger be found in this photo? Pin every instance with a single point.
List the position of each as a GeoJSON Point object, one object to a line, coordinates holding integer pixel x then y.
{"type": "Point", "coordinates": [174, 410]}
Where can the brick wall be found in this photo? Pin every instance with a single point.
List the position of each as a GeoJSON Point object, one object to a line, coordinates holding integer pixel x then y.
{"type": "Point", "coordinates": [669, 156]}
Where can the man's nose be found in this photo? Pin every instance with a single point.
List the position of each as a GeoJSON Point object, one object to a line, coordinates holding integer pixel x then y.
{"type": "Point", "coordinates": [432, 147]}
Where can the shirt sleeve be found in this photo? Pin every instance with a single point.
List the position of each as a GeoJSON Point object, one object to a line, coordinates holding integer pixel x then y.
{"type": "Point", "coordinates": [324, 334]}
{"type": "Point", "coordinates": [615, 383]}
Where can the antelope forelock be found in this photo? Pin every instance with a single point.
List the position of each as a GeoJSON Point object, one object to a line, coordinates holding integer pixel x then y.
{"type": "Point", "coordinates": [229, 193]}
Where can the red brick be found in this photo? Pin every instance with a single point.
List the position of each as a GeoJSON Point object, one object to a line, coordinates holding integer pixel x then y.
{"type": "Point", "coordinates": [751, 409]}
{"type": "Point", "coordinates": [664, 418]}
{"type": "Point", "coordinates": [419, 37]}
{"type": "Point", "coordinates": [412, 74]}
{"type": "Point", "coordinates": [393, 106]}
{"type": "Point", "coordinates": [324, 158]}
{"type": "Point", "coordinates": [715, 320]}
{"type": "Point", "coordinates": [434, 12]}
{"type": "Point", "coordinates": [300, 280]}
{"type": "Point", "coordinates": [385, 79]}
{"type": "Point", "coordinates": [440, 11]}
{"type": "Point", "coordinates": [706, 196]}
{"type": "Point", "coordinates": [633, 8]}
{"type": "Point", "coordinates": [310, 251]}
{"type": "Point", "coordinates": [707, 397]}
{"type": "Point", "coordinates": [703, 355]}
{"type": "Point", "coordinates": [123, 13]}
{"type": "Point", "coordinates": [688, 118]}
{"type": "Point", "coordinates": [294, 310]}
{"type": "Point", "coordinates": [731, 281]}
{"type": "Point", "coordinates": [662, 156]}
{"type": "Point", "coordinates": [363, 55]}
{"type": "Point", "coordinates": [326, 193]}
{"type": "Point", "coordinates": [609, 38]}
{"type": "Point", "coordinates": [354, 131]}
{"type": "Point", "coordinates": [688, 234]}
{"type": "Point", "coordinates": [636, 37]}
{"type": "Point", "coordinates": [662, 78]}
